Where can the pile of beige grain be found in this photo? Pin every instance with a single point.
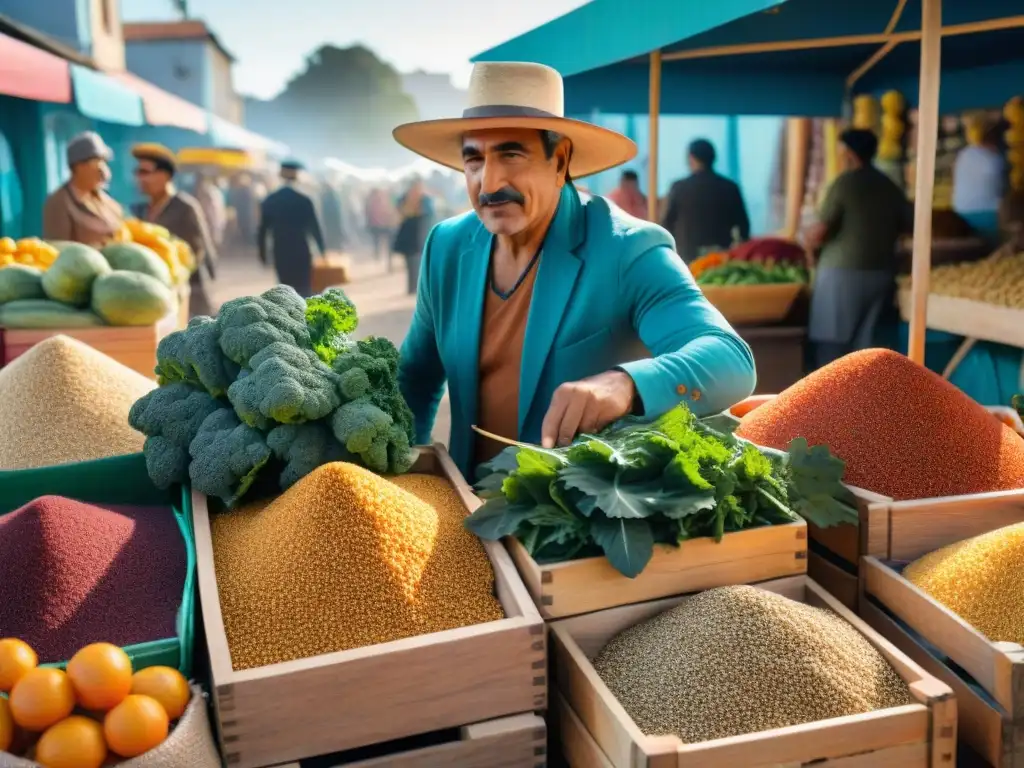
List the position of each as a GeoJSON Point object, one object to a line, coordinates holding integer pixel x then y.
{"type": "Point", "coordinates": [63, 401]}
{"type": "Point", "coordinates": [738, 660]}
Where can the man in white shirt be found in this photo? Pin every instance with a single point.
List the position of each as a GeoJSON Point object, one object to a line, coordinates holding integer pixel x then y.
{"type": "Point", "coordinates": [979, 182]}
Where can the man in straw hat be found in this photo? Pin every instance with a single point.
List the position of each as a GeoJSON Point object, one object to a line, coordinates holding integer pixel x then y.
{"type": "Point", "coordinates": [533, 306]}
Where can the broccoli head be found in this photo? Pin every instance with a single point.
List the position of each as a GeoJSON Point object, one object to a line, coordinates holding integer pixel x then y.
{"type": "Point", "coordinates": [372, 436]}
{"type": "Point", "coordinates": [170, 416]}
{"type": "Point", "coordinates": [193, 355]}
{"type": "Point", "coordinates": [227, 456]}
{"type": "Point", "coordinates": [286, 384]}
{"type": "Point", "coordinates": [250, 323]}
{"type": "Point", "coordinates": [303, 448]}
{"type": "Point", "coordinates": [370, 369]}
{"type": "Point", "coordinates": [330, 317]}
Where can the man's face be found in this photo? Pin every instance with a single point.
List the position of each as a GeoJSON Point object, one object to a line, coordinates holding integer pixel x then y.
{"type": "Point", "coordinates": [152, 181]}
{"type": "Point", "coordinates": [511, 181]}
{"type": "Point", "coordinates": [92, 174]}
{"type": "Point", "coordinates": [629, 183]}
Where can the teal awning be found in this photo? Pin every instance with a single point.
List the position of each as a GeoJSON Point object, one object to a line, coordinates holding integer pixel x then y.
{"type": "Point", "coordinates": [227, 135]}
{"type": "Point", "coordinates": [102, 98]}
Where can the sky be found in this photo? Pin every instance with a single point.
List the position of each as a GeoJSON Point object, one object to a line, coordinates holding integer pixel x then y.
{"type": "Point", "coordinates": [271, 38]}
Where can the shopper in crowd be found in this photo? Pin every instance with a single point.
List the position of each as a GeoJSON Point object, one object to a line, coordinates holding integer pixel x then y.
{"type": "Point", "coordinates": [81, 210]}
{"type": "Point", "coordinates": [180, 214]}
{"type": "Point", "coordinates": [628, 195]}
{"type": "Point", "coordinates": [211, 200]}
{"type": "Point", "coordinates": [381, 219]}
{"type": "Point", "coordinates": [417, 211]}
{"type": "Point", "coordinates": [288, 218]}
{"type": "Point", "coordinates": [242, 198]}
{"type": "Point", "coordinates": [980, 181]}
{"type": "Point", "coordinates": [532, 307]}
{"type": "Point", "coordinates": [860, 222]}
{"type": "Point", "coordinates": [332, 215]}
{"type": "Point", "coordinates": [705, 210]}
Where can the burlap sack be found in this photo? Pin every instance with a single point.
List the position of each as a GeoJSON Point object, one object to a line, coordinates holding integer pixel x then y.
{"type": "Point", "coordinates": [189, 745]}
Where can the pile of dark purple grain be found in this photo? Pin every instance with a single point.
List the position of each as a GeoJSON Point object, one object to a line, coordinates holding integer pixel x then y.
{"type": "Point", "coordinates": [73, 573]}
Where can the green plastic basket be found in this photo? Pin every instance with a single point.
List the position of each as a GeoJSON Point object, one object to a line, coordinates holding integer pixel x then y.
{"type": "Point", "coordinates": [119, 480]}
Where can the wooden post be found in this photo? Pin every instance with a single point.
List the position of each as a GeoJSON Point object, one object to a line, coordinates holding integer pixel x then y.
{"type": "Point", "coordinates": [927, 141]}
{"type": "Point", "coordinates": [653, 112]}
{"type": "Point", "coordinates": [798, 137]}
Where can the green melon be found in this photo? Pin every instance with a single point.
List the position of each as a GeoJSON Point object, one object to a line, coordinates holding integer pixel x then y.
{"type": "Point", "coordinates": [131, 298]}
{"type": "Point", "coordinates": [71, 276]}
{"type": "Point", "coordinates": [19, 281]}
{"type": "Point", "coordinates": [137, 258]}
{"type": "Point", "coordinates": [43, 313]}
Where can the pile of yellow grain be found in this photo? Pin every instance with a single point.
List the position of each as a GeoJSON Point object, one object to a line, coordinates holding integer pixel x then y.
{"type": "Point", "coordinates": [63, 401]}
{"type": "Point", "coordinates": [346, 559]}
{"type": "Point", "coordinates": [979, 579]}
{"type": "Point", "coordinates": [738, 660]}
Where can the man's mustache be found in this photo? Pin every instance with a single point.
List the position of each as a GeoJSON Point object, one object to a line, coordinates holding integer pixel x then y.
{"type": "Point", "coordinates": [503, 195]}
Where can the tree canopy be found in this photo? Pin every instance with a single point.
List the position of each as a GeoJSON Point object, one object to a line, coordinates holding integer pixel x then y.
{"type": "Point", "coordinates": [343, 104]}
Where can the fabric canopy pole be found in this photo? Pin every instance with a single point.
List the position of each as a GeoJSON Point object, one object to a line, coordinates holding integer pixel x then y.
{"type": "Point", "coordinates": [653, 110]}
{"type": "Point", "coordinates": [924, 185]}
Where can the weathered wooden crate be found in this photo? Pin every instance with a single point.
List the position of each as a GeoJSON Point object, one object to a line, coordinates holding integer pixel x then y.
{"type": "Point", "coordinates": [518, 741]}
{"type": "Point", "coordinates": [340, 701]}
{"type": "Point", "coordinates": [134, 347]}
{"type": "Point", "coordinates": [330, 271]}
{"type": "Point", "coordinates": [597, 731]}
{"type": "Point", "coordinates": [592, 584]}
{"type": "Point", "coordinates": [987, 677]}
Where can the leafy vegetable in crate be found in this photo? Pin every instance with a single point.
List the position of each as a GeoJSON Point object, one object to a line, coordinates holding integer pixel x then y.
{"type": "Point", "coordinates": [752, 273]}
{"type": "Point", "coordinates": [639, 484]}
{"type": "Point", "coordinates": [1018, 403]}
{"type": "Point", "coordinates": [281, 387]}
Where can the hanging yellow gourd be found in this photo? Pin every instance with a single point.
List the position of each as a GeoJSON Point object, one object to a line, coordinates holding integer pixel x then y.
{"type": "Point", "coordinates": [1014, 114]}
{"type": "Point", "coordinates": [974, 128]}
{"type": "Point", "coordinates": [865, 112]}
{"type": "Point", "coordinates": [893, 126]}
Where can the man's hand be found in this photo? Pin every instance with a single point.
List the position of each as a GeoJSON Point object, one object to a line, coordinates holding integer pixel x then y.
{"type": "Point", "coordinates": [588, 405]}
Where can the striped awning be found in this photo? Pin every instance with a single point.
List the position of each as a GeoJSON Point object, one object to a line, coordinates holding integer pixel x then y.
{"type": "Point", "coordinates": [163, 108]}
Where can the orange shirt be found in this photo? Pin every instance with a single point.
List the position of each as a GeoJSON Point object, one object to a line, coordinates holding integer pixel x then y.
{"type": "Point", "coordinates": [502, 330]}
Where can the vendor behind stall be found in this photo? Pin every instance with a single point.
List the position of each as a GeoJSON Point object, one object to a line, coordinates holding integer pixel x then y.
{"type": "Point", "coordinates": [980, 179]}
{"type": "Point", "coordinates": [532, 306]}
{"type": "Point", "coordinates": [81, 211]}
{"type": "Point", "coordinates": [180, 214]}
{"type": "Point", "coordinates": [860, 222]}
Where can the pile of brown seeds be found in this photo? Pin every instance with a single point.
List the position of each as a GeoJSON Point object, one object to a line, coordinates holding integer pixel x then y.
{"type": "Point", "coordinates": [345, 559]}
{"type": "Point", "coordinates": [738, 660]}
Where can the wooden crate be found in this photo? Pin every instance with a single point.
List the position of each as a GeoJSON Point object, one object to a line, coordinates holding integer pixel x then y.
{"type": "Point", "coordinates": [330, 271]}
{"type": "Point", "coordinates": [753, 304]}
{"type": "Point", "coordinates": [913, 736]}
{"type": "Point", "coordinates": [988, 677]}
{"type": "Point", "coordinates": [969, 318]}
{"type": "Point", "coordinates": [340, 701]}
{"type": "Point", "coordinates": [592, 584]}
{"type": "Point", "coordinates": [508, 742]}
{"type": "Point", "coordinates": [134, 347]}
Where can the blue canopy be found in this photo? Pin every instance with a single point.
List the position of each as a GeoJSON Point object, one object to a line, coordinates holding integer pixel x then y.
{"type": "Point", "coordinates": [228, 135]}
{"type": "Point", "coordinates": [103, 98]}
{"type": "Point", "coordinates": [791, 57]}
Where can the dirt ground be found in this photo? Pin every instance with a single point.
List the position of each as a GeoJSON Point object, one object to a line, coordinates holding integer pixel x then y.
{"type": "Point", "coordinates": [384, 308]}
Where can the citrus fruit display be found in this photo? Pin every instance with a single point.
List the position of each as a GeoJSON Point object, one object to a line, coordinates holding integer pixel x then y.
{"type": "Point", "coordinates": [16, 658]}
{"type": "Point", "coordinates": [135, 726]}
{"type": "Point", "coordinates": [6, 726]}
{"type": "Point", "coordinates": [166, 685]}
{"type": "Point", "coordinates": [42, 697]}
{"type": "Point", "coordinates": [75, 742]}
{"type": "Point", "coordinates": [101, 675]}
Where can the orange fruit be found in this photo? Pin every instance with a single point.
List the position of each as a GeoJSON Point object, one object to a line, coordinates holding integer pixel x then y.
{"type": "Point", "coordinates": [43, 696]}
{"type": "Point", "coordinates": [6, 726]}
{"type": "Point", "coordinates": [136, 725]}
{"type": "Point", "coordinates": [101, 674]}
{"type": "Point", "coordinates": [166, 685]}
{"type": "Point", "coordinates": [76, 742]}
{"type": "Point", "coordinates": [16, 658]}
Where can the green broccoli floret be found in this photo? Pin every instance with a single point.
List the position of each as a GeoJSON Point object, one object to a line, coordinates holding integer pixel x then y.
{"type": "Point", "coordinates": [400, 453]}
{"type": "Point", "coordinates": [377, 359]}
{"type": "Point", "coordinates": [304, 447]}
{"type": "Point", "coordinates": [193, 355]}
{"type": "Point", "coordinates": [330, 317]}
{"type": "Point", "coordinates": [354, 383]}
{"type": "Point", "coordinates": [286, 384]}
{"type": "Point", "coordinates": [251, 323]}
{"type": "Point", "coordinates": [227, 457]}
{"type": "Point", "coordinates": [170, 417]}
{"type": "Point", "coordinates": [372, 436]}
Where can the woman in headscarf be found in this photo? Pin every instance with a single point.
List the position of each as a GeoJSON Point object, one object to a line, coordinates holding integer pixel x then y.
{"type": "Point", "coordinates": [417, 210]}
{"type": "Point", "coordinates": [81, 211]}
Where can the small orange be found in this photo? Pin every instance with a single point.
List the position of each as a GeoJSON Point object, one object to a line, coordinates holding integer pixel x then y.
{"type": "Point", "coordinates": [6, 726]}
{"type": "Point", "coordinates": [136, 725]}
{"type": "Point", "coordinates": [76, 742]}
{"type": "Point", "coordinates": [42, 697]}
{"type": "Point", "coordinates": [166, 685]}
{"type": "Point", "coordinates": [101, 674]}
{"type": "Point", "coordinates": [16, 658]}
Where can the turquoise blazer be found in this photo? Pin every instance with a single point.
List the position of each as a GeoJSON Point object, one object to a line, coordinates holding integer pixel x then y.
{"type": "Point", "coordinates": [609, 288]}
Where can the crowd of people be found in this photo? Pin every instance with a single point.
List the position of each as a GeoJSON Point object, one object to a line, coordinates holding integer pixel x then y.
{"type": "Point", "coordinates": [288, 220]}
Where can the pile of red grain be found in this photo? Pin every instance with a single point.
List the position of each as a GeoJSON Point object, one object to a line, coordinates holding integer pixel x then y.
{"type": "Point", "coordinates": [902, 430]}
{"type": "Point", "coordinates": [73, 573]}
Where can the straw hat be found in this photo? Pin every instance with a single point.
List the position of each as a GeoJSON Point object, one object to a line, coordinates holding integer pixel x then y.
{"type": "Point", "coordinates": [517, 95]}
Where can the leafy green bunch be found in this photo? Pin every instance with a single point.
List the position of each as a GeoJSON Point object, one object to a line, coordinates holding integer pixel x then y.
{"type": "Point", "coordinates": [273, 387]}
{"type": "Point", "coordinates": [638, 484]}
